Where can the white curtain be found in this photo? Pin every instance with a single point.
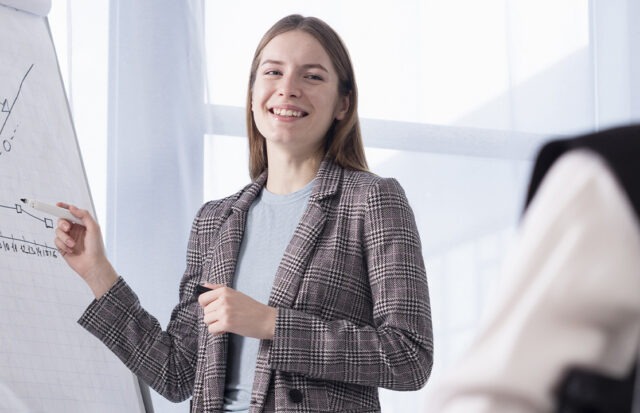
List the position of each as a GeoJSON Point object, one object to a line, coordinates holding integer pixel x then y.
{"type": "Point", "coordinates": [155, 149]}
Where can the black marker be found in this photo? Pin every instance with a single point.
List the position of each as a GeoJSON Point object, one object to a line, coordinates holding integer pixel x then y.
{"type": "Point", "coordinates": [201, 289]}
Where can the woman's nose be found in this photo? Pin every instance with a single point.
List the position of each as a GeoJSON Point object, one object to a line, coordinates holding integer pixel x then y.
{"type": "Point", "coordinates": [289, 87]}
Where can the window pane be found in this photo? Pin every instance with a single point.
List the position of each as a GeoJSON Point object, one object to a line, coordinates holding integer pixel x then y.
{"type": "Point", "coordinates": [494, 64]}
{"type": "Point", "coordinates": [226, 166]}
{"type": "Point", "coordinates": [466, 210]}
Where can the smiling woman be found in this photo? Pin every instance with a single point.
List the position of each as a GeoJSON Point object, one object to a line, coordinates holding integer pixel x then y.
{"type": "Point", "coordinates": [323, 70]}
{"type": "Point", "coordinates": [306, 153]}
{"type": "Point", "coordinates": [317, 287]}
{"type": "Point", "coordinates": [295, 100]}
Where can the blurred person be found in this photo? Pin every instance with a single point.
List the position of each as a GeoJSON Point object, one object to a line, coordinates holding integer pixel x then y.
{"type": "Point", "coordinates": [564, 334]}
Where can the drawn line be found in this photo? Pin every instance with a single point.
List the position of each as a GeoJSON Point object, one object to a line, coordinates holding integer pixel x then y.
{"type": "Point", "coordinates": [48, 222]}
{"type": "Point", "coordinates": [48, 251]}
{"type": "Point", "coordinates": [35, 217]}
{"type": "Point", "coordinates": [23, 240]}
{"type": "Point", "coordinates": [4, 104]}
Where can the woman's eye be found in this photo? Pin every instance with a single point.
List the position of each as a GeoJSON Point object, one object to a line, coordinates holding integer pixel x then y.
{"type": "Point", "coordinates": [314, 77]}
{"type": "Point", "coordinates": [273, 73]}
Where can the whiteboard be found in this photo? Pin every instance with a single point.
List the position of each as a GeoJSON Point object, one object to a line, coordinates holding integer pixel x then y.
{"type": "Point", "coordinates": [48, 363]}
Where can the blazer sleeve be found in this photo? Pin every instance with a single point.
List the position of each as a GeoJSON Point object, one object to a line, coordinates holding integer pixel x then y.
{"type": "Point", "coordinates": [396, 351]}
{"type": "Point", "coordinates": [165, 360]}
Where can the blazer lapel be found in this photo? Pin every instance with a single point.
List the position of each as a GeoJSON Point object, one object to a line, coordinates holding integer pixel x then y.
{"type": "Point", "coordinates": [294, 263]}
{"type": "Point", "coordinates": [223, 256]}
{"type": "Point", "coordinates": [301, 247]}
{"type": "Point", "coordinates": [220, 269]}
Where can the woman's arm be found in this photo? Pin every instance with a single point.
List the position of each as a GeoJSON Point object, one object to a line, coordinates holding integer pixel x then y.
{"type": "Point", "coordinates": [83, 249]}
{"type": "Point", "coordinates": [165, 360]}
{"type": "Point", "coordinates": [395, 352]}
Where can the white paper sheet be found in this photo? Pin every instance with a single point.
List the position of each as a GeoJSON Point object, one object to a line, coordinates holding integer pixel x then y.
{"type": "Point", "coordinates": [48, 363]}
{"type": "Point", "coordinates": [37, 7]}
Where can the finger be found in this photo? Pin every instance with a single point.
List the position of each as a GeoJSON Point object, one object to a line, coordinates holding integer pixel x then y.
{"type": "Point", "coordinates": [82, 214]}
{"type": "Point", "coordinates": [205, 298]}
{"type": "Point", "coordinates": [64, 225]}
{"type": "Point", "coordinates": [217, 289]}
{"type": "Point", "coordinates": [210, 308]}
{"type": "Point", "coordinates": [210, 300]}
{"type": "Point", "coordinates": [65, 238]}
{"type": "Point", "coordinates": [62, 247]}
{"type": "Point", "coordinates": [216, 327]}
{"type": "Point", "coordinates": [215, 330]}
{"type": "Point", "coordinates": [209, 318]}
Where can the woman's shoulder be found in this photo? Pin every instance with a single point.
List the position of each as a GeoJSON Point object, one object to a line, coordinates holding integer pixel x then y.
{"type": "Point", "coordinates": [362, 189]}
{"type": "Point", "coordinates": [368, 182]}
{"type": "Point", "coordinates": [213, 208]}
{"type": "Point", "coordinates": [217, 208]}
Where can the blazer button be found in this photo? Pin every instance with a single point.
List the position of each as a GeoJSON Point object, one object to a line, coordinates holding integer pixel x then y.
{"type": "Point", "coordinates": [295, 395]}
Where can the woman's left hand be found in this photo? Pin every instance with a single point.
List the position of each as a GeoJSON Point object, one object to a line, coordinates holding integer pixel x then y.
{"type": "Point", "coordinates": [229, 311]}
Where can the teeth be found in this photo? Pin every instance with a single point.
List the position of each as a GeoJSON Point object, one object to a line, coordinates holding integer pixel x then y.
{"type": "Point", "coordinates": [287, 112]}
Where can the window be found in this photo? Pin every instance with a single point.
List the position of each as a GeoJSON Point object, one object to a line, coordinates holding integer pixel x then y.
{"type": "Point", "coordinates": [462, 91]}
{"type": "Point", "coordinates": [80, 35]}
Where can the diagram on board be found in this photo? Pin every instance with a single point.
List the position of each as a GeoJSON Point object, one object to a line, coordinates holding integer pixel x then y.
{"type": "Point", "coordinates": [48, 363]}
{"type": "Point", "coordinates": [7, 104]}
{"type": "Point", "coordinates": [21, 245]}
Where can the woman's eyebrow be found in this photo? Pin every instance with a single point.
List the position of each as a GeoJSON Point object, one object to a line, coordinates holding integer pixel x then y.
{"type": "Point", "coordinates": [305, 66]}
{"type": "Point", "coordinates": [315, 66]}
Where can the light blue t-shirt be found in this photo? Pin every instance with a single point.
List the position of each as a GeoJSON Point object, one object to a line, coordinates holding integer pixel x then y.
{"type": "Point", "coordinates": [271, 221]}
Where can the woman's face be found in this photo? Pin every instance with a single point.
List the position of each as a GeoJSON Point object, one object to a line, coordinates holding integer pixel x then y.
{"type": "Point", "coordinates": [295, 94]}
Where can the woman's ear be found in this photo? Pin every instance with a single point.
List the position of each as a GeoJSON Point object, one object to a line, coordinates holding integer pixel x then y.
{"type": "Point", "coordinates": [343, 106]}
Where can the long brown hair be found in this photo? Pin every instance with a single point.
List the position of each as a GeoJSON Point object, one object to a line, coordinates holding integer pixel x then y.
{"type": "Point", "coordinates": [343, 141]}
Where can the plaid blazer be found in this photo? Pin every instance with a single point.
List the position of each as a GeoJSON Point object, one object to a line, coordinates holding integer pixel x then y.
{"type": "Point", "coordinates": [352, 299]}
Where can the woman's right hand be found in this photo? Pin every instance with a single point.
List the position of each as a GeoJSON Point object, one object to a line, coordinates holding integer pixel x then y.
{"type": "Point", "coordinates": [82, 248]}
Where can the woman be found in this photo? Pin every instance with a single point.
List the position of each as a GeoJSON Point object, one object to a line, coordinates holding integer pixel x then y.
{"type": "Point", "coordinates": [315, 268]}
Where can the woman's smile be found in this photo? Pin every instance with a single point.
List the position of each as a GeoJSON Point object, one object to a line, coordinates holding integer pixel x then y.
{"type": "Point", "coordinates": [295, 97]}
{"type": "Point", "coordinates": [286, 113]}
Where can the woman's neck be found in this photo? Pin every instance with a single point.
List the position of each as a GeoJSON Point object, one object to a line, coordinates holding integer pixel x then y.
{"type": "Point", "coordinates": [289, 174]}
